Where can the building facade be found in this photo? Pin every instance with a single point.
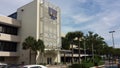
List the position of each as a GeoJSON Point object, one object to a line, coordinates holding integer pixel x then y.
{"type": "Point", "coordinates": [9, 39]}
{"type": "Point", "coordinates": [41, 20]}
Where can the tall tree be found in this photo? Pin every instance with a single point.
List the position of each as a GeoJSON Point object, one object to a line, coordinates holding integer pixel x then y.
{"type": "Point", "coordinates": [70, 36]}
{"type": "Point", "coordinates": [79, 36]}
{"type": "Point", "coordinates": [92, 41]}
{"type": "Point", "coordinates": [28, 43]}
{"type": "Point", "coordinates": [65, 43]}
{"type": "Point", "coordinates": [95, 43]}
{"type": "Point", "coordinates": [40, 47]}
{"type": "Point", "coordinates": [33, 45]}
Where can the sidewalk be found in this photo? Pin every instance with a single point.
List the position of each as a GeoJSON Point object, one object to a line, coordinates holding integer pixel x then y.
{"type": "Point", "coordinates": [57, 66]}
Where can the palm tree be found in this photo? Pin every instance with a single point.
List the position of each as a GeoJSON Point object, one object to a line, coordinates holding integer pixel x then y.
{"type": "Point", "coordinates": [97, 43]}
{"type": "Point", "coordinates": [28, 43]}
{"type": "Point", "coordinates": [70, 36]}
{"type": "Point", "coordinates": [92, 40]}
{"type": "Point", "coordinates": [33, 45]}
{"type": "Point", "coordinates": [79, 36]}
{"type": "Point", "coordinates": [65, 45]}
{"type": "Point", "coordinates": [40, 47]}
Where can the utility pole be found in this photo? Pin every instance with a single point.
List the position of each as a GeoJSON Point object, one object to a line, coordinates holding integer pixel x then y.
{"type": "Point", "coordinates": [113, 43]}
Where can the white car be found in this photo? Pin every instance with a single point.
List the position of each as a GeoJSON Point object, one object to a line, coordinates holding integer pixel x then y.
{"type": "Point", "coordinates": [34, 66]}
{"type": "Point", "coordinates": [3, 65]}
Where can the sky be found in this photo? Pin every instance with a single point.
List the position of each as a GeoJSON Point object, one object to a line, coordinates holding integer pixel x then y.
{"type": "Point", "coordinates": [98, 16]}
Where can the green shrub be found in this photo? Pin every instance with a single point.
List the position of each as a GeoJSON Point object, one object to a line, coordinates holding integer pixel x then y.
{"type": "Point", "coordinates": [97, 58]}
{"type": "Point", "coordinates": [82, 65]}
{"type": "Point", "coordinates": [87, 64]}
{"type": "Point", "coordinates": [42, 64]}
{"type": "Point", "coordinates": [101, 63]}
{"type": "Point", "coordinates": [76, 66]}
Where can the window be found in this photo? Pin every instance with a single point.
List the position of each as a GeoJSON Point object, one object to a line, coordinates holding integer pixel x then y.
{"type": "Point", "coordinates": [0, 46]}
{"type": "Point", "coordinates": [52, 13]}
{"type": "Point", "coordinates": [2, 59]}
{"type": "Point", "coordinates": [25, 67]}
{"type": "Point", "coordinates": [3, 29]}
{"type": "Point", "coordinates": [0, 28]}
{"type": "Point", "coordinates": [8, 46]}
{"type": "Point", "coordinates": [35, 67]}
{"type": "Point", "coordinates": [8, 29]}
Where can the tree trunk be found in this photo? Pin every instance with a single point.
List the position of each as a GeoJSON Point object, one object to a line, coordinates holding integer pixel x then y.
{"type": "Point", "coordinates": [41, 57]}
{"type": "Point", "coordinates": [79, 51]}
{"type": "Point", "coordinates": [64, 58]}
{"type": "Point", "coordinates": [72, 54]}
{"type": "Point", "coordinates": [85, 50]}
{"type": "Point", "coordinates": [36, 57]}
{"type": "Point", "coordinates": [92, 52]}
{"type": "Point", "coordinates": [30, 57]}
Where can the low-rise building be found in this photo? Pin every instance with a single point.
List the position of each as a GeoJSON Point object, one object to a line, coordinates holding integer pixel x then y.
{"type": "Point", "coordinates": [66, 55]}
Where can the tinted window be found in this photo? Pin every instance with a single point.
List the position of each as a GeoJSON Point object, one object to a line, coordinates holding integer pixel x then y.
{"type": "Point", "coordinates": [2, 59]}
{"type": "Point", "coordinates": [25, 67]}
{"type": "Point", "coordinates": [8, 29]}
{"type": "Point", "coordinates": [35, 67]}
{"type": "Point", "coordinates": [3, 66]}
{"type": "Point", "coordinates": [8, 46]}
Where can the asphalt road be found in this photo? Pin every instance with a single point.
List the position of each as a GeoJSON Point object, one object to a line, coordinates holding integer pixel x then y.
{"type": "Point", "coordinates": [110, 65]}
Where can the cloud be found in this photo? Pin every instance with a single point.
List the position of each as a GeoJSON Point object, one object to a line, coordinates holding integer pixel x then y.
{"type": "Point", "coordinates": [81, 18]}
{"type": "Point", "coordinates": [82, 1]}
{"type": "Point", "coordinates": [101, 22]}
{"type": "Point", "coordinates": [105, 23]}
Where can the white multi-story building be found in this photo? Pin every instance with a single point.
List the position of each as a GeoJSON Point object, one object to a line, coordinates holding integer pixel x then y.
{"type": "Point", "coordinates": [39, 19]}
{"type": "Point", "coordinates": [9, 39]}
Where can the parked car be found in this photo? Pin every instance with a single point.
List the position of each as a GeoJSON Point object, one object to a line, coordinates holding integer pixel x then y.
{"type": "Point", "coordinates": [3, 65]}
{"type": "Point", "coordinates": [34, 66]}
{"type": "Point", "coordinates": [14, 66]}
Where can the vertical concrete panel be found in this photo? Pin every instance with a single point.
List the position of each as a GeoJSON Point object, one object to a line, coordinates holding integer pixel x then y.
{"type": "Point", "coordinates": [28, 17]}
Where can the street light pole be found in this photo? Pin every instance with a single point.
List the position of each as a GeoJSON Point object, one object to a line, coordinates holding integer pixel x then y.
{"type": "Point", "coordinates": [112, 42]}
{"type": "Point", "coordinates": [112, 38]}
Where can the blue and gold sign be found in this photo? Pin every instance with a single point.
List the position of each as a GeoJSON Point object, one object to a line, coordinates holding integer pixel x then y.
{"type": "Point", "coordinates": [52, 13]}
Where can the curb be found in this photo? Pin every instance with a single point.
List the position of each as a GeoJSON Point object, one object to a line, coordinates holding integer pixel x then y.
{"type": "Point", "coordinates": [98, 66]}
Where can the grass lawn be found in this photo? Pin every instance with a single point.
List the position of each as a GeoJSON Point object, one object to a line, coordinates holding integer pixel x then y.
{"type": "Point", "coordinates": [85, 65]}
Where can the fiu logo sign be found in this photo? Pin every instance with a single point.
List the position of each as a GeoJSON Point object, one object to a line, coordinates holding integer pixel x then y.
{"type": "Point", "coordinates": [52, 13]}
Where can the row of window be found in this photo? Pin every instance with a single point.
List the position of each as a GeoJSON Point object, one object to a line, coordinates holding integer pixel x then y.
{"type": "Point", "coordinates": [2, 59]}
{"type": "Point", "coordinates": [82, 51]}
{"type": "Point", "coordinates": [8, 29]}
{"type": "Point", "coordinates": [8, 46]}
